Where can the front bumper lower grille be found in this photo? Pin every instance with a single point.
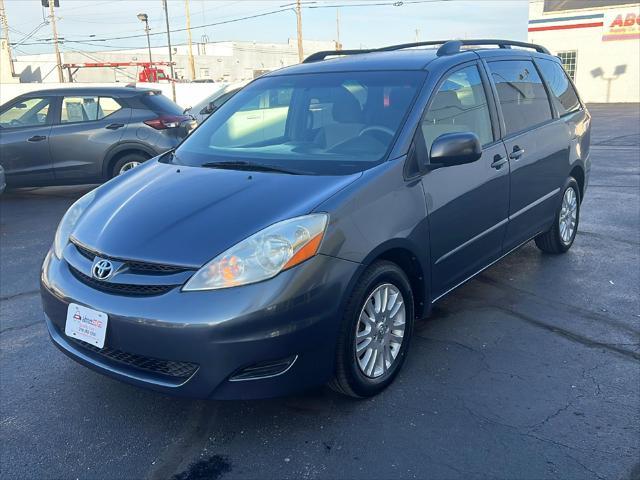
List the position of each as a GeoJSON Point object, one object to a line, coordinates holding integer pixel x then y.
{"type": "Point", "coordinates": [166, 368]}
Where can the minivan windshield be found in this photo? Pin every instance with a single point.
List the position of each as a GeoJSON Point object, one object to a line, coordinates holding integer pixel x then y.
{"type": "Point", "coordinates": [323, 123]}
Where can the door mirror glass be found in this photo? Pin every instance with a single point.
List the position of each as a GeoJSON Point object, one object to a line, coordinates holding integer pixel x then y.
{"type": "Point", "coordinates": [454, 149]}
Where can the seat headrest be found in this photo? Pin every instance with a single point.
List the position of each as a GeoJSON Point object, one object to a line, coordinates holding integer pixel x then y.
{"type": "Point", "coordinates": [346, 108]}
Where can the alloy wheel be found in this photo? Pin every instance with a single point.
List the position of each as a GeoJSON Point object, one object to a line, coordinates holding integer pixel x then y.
{"type": "Point", "coordinates": [380, 330]}
{"type": "Point", "coordinates": [128, 166]}
{"type": "Point", "coordinates": [568, 215]}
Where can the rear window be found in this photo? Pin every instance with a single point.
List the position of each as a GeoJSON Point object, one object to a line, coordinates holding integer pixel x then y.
{"type": "Point", "coordinates": [523, 98]}
{"type": "Point", "coordinates": [160, 104]}
{"type": "Point", "coordinates": [564, 96]}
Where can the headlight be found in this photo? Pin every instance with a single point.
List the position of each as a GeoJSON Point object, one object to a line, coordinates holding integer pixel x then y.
{"type": "Point", "coordinates": [69, 221]}
{"type": "Point", "coordinates": [263, 255]}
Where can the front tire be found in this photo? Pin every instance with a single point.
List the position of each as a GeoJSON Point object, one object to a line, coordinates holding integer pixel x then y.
{"type": "Point", "coordinates": [560, 237]}
{"type": "Point", "coordinates": [376, 332]}
{"type": "Point", "coordinates": [127, 162]}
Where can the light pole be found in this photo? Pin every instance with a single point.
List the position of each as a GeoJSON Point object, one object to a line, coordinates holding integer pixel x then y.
{"type": "Point", "coordinates": [143, 17]}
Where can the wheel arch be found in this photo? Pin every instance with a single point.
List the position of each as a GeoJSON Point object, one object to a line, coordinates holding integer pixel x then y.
{"type": "Point", "coordinates": [117, 152]}
{"type": "Point", "coordinates": [406, 255]}
{"type": "Point", "coordinates": [577, 172]}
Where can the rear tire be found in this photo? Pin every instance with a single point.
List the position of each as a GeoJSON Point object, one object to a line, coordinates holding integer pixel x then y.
{"type": "Point", "coordinates": [560, 237]}
{"type": "Point", "coordinates": [126, 163]}
{"type": "Point", "coordinates": [376, 322]}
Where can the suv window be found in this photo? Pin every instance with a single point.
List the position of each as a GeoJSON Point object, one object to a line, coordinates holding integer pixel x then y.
{"type": "Point", "coordinates": [459, 105]}
{"type": "Point", "coordinates": [87, 108]}
{"type": "Point", "coordinates": [521, 93]}
{"type": "Point", "coordinates": [160, 104]}
{"type": "Point", "coordinates": [30, 112]}
{"type": "Point", "coordinates": [564, 96]}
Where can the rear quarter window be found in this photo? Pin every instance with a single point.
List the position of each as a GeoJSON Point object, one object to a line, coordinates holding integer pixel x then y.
{"type": "Point", "coordinates": [160, 104]}
{"type": "Point", "coordinates": [565, 97]}
{"type": "Point", "coordinates": [521, 93]}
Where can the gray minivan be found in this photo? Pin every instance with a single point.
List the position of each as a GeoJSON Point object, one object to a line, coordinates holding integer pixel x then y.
{"type": "Point", "coordinates": [295, 236]}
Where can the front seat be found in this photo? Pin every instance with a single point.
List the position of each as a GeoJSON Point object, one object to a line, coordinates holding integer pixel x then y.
{"type": "Point", "coordinates": [348, 119]}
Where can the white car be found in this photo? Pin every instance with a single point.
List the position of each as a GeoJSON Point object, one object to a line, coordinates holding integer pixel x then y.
{"type": "Point", "coordinates": [201, 110]}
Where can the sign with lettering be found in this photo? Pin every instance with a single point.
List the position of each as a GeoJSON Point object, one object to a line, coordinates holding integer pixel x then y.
{"type": "Point", "coordinates": [621, 25]}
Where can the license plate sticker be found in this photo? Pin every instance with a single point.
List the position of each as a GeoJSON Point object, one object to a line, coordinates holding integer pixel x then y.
{"type": "Point", "coordinates": [86, 324]}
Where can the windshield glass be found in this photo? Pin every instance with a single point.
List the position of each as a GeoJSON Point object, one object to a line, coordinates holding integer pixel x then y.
{"type": "Point", "coordinates": [328, 123]}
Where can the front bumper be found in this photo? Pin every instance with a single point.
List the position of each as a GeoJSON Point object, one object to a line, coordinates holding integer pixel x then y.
{"type": "Point", "coordinates": [294, 315]}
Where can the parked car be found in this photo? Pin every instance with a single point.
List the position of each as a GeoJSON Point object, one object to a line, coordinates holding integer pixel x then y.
{"type": "Point", "coordinates": [3, 183]}
{"type": "Point", "coordinates": [85, 135]}
{"type": "Point", "coordinates": [246, 264]}
{"type": "Point", "coordinates": [206, 107]}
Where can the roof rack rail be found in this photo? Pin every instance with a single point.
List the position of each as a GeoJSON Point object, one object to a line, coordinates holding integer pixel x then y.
{"type": "Point", "coordinates": [454, 46]}
{"type": "Point", "coordinates": [448, 47]}
{"type": "Point", "coordinates": [318, 56]}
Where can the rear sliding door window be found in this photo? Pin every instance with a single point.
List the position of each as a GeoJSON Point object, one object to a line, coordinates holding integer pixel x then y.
{"type": "Point", "coordinates": [521, 93]}
{"type": "Point", "coordinates": [564, 96]}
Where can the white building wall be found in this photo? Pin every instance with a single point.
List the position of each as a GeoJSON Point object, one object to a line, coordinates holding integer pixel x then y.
{"type": "Point", "coordinates": [593, 53]}
{"type": "Point", "coordinates": [223, 61]}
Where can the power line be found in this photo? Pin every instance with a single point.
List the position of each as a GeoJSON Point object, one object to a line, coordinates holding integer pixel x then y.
{"type": "Point", "coordinates": [284, 8]}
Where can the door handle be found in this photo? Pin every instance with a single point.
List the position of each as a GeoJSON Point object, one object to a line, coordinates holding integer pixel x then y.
{"type": "Point", "coordinates": [498, 162]}
{"type": "Point", "coordinates": [517, 153]}
{"type": "Point", "coordinates": [36, 138]}
{"type": "Point", "coordinates": [114, 126]}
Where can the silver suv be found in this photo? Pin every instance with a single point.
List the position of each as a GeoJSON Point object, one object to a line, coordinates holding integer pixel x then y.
{"type": "Point", "coordinates": [85, 135]}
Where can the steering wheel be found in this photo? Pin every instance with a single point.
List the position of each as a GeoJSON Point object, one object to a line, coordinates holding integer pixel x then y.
{"type": "Point", "coordinates": [377, 128]}
{"type": "Point", "coordinates": [15, 122]}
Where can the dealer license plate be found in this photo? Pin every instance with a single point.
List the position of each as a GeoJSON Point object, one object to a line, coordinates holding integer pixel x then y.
{"type": "Point", "coordinates": [86, 324]}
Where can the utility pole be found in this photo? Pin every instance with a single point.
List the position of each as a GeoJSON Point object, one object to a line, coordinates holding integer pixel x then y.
{"type": "Point", "coordinates": [192, 65]}
{"type": "Point", "coordinates": [143, 17]}
{"type": "Point", "coordinates": [52, 16]}
{"type": "Point", "coordinates": [338, 44]}
{"type": "Point", "coordinates": [299, 18]}
{"type": "Point", "coordinates": [173, 78]}
{"type": "Point", "coordinates": [4, 37]}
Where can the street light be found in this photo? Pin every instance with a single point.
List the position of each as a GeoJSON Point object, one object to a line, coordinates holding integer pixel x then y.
{"type": "Point", "coordinates": [143, 17]}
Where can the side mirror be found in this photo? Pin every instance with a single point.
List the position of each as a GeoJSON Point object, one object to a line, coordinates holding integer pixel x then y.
{"type": "Point", "coordinates": [209, 109]}
{"type": "Point", "coordinates": [454, 149]}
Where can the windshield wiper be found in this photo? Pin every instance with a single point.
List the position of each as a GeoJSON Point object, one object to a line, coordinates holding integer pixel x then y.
{"type": "Point", "coordinates": [244, 165]}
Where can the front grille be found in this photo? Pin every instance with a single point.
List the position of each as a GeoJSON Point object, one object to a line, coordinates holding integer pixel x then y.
{"type": "Point", "coordinates": [121, 288]}
{"type": "Point", "coordinates": [134, 266]}
{"type": "Point", "coordinates": [169, 368]}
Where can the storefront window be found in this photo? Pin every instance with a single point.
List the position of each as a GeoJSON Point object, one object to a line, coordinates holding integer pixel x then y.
{"type": "Point", "coordinates": [569, 62]}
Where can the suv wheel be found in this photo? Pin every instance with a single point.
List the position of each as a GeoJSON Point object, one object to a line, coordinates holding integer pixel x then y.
{"type": "Point", "coordinates": [126, 163]}
{"type": "Point", "coordinates": [376, 331]}
{"type": "Point", "coordinates": [560, 237]}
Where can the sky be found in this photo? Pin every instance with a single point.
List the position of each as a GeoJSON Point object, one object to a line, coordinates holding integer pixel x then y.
{"type": "Point", "coordinates": [90, 25]}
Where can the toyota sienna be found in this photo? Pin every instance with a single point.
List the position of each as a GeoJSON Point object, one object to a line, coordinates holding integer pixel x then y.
{"type": "Point", "coordinates": [295, 236]}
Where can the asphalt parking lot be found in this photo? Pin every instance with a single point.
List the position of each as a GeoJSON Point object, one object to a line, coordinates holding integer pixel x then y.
{"type": "Point", "coordinates": [531, 370]}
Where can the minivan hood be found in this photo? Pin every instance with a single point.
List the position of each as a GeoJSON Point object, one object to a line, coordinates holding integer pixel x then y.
{"type": "Point", "coordinates": [186, 216]}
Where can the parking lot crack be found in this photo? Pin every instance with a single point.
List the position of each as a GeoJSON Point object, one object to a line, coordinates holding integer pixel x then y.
{"type": "Point", "coordinates": [18, 295]}
{"type": "Point", "coordinates": [20, 327]}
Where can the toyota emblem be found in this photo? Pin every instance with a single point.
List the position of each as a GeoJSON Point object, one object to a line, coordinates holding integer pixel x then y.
{"type": "Point", "coordinates": [102, 269]}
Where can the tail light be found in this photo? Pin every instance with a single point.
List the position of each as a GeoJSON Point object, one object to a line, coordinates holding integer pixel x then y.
{"type": "Point", "coordinates": [167, 121]}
